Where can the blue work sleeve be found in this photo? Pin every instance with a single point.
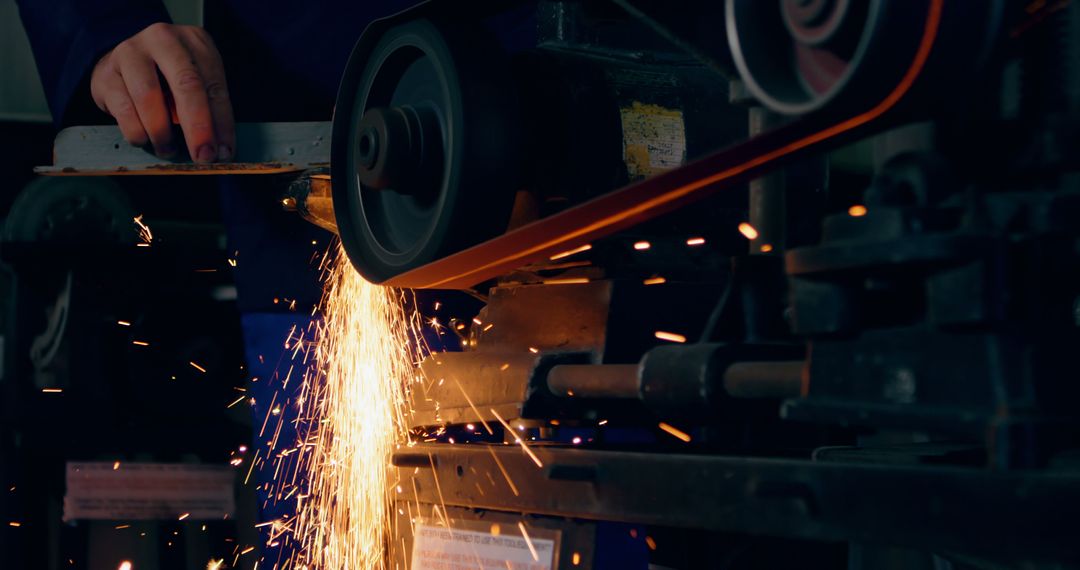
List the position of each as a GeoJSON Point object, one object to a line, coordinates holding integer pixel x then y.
{"type": "Point", "coordinates": [69, 36]}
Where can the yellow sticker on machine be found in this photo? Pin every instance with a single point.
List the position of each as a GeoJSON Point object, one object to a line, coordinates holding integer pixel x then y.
{"type": "Point", "coordinates": [654, 139]}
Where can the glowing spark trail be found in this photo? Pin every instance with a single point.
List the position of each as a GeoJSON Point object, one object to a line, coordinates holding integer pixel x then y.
{"type": "Point", "coordinates": [353, 404]}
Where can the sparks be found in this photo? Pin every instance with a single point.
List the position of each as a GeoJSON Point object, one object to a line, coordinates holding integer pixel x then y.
{"type": "Point", "coordinates": [673, 337]}
{"type": "Point", "coordinates": [748, 231]}
{"type": "Point", "coordinates": [642, 245]}
{"type": "Point", "coordinates": [676, 432]}
{"type": "Point", "coordinates": [856, 211]}
{"type": "Point", "coordinates": [517, 439]}
{"type": "Point", "coordinates": [566, 281]}
{"type": "Point", "coordinates": [559, 256]}
{"type": "Point", "coordinates": [123, 323]}
{"type": "Point", "coordinates": [52, 390]}
{"type": "Point", "coordinates": [144, 230]}
{"type": "Point", "coordinates": [528, 541]}
{"type": "Point", "coordinates": [695, 241]}
{"type": "Point", "coordinates": [183, 516]}
{"type": "Point", "coordinates": [655, 280]}
{"type": "Point", "coordinates": [197, 367]}
{"type": "Point", "coordinates": [355, 402]}
{"type": "Point", "coordinates": [116, 466]}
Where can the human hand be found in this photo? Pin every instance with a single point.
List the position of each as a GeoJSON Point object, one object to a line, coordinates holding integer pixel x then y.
{"type": "Point", "coordinates": [126, 83]}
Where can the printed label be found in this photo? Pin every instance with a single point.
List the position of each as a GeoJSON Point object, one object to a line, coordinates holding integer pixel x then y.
{"type": "Point", "coordinates": [439, 548]}
{"type": "Point", "coordinates": [148, 491]}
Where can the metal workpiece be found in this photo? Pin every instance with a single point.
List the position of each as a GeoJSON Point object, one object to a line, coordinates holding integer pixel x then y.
{"type": "Point", "coordinates": [1011, 515]}
{"type": "Point", "coordinates": [261, 148]}
{"type": "Point", "coordinates": [309, 196]}
{"type": "Point", "coordinates": [541, 318]}
{"type": "Point", "coordinates": [461, 387]}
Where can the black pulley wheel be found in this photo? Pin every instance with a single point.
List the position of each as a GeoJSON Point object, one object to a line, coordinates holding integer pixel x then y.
{"type": "Point", "coordinates": [424, 161]}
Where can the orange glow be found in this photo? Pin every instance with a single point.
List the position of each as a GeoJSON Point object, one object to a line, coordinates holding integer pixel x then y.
{"type": "Point", "coordinates": [673, 337]}
{"type": "Point", "coordinates": [642, 245]}
{"type": "Point", "coordinates": [655, 280]}
{"type": "Point", "coordinates": [766, 248]}
{"type": "Point", "coordinates": [678, 433]}
{"type": "Point", "coordinates": [748, 231]}
{"type": "Point", "coordinates": [354, 403]}
{"type": "Point", "coordinates": [566, 281]}
{"type": "Point", "coordinates": [857, 210]}
{"type": "Point", "coordinates": [558, 256]}
{"type": "Point", "coordinates": [695, 241]}
{"type": "Point", "coordinates": [528, 541]}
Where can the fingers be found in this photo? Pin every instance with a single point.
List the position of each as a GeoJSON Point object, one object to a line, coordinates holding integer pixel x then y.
{"type": "Point", "coordinates": [111, 96]}
{"type": "Point", "coordinates": [126, 84]}
{"type": "Point", "coordinates": [188, 89]}
{"type": "Point", "coordinates": [140, 79]}
{"type": "Point", "coordinates": [212, 70]}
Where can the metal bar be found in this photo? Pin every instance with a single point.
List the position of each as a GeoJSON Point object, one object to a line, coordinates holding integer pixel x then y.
{"type": "Point", "coordinates": [938, 508]}
{"type": "Point", "coordinates": [594, 380]}
{"type": "Point", "coordinates": [261, 148]}
{"type": "Point", "coordinates": [767, 200]}
{"type": "Point", "coordinates": [764, 379]}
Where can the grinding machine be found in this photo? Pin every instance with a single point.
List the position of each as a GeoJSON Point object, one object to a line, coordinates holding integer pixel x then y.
{"type": "Point", "coordinates": [788, 282]}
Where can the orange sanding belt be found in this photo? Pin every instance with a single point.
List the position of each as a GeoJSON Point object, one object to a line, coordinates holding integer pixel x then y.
{"type": "Point", "coordinates": [652, 197]}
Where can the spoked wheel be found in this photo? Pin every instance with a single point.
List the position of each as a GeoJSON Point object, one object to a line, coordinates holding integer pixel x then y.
{"type": "Point", "coordinates": [797, 56]}
{"type": "Point", "coordinates": [424, 161]}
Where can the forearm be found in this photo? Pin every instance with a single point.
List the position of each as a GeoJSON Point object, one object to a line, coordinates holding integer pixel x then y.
{"type": "Point", "coordinates": [69, 36]}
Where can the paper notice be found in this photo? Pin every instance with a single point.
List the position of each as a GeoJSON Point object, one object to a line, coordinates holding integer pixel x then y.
{"type": "Point", "coordinates": [436, 548]}
{"type": "Point", "coordinates": [148, 491]}
{"type": "Point", "coordinates": [654, 139]}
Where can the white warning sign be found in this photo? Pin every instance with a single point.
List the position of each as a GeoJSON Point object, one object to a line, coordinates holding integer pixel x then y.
{"type": "Point", "coordinates": [148, 491]}
{"type": "Point", "coordinates": [439, 548]}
